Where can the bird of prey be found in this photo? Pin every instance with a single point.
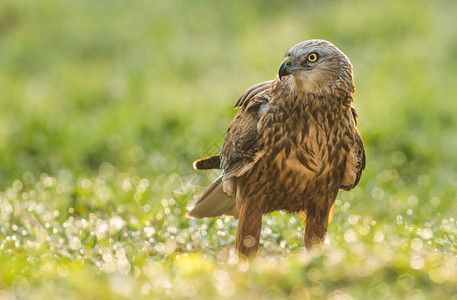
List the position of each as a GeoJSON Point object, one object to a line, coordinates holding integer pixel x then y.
{"type": "Point", "coordinates": [292, 145]}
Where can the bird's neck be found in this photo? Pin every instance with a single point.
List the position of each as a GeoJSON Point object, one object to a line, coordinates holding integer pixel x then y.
{"type": "Point", "coordinates": [334, 99]}
{"type": "Point", "coordinates": [339, 94]}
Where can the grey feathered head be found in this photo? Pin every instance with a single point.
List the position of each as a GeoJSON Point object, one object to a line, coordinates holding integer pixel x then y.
{"type": "Point", "coordinates": [317, 65]}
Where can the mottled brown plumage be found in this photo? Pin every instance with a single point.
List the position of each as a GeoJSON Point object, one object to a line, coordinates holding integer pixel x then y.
{"type": "Point", "coordinates": [292, 145]}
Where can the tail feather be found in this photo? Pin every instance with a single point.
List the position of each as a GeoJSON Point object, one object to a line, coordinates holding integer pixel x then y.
{"type": "Point", "coordinates": [213, 202]}
{"type": "Point", "coordinates": [212, 162]}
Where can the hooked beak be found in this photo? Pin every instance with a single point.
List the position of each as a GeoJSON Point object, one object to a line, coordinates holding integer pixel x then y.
{"type": "Point", "coordinates": [283, 70]}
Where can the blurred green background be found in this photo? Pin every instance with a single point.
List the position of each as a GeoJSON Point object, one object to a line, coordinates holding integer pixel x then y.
{"type": "Point", "coordinates": [105, 104]}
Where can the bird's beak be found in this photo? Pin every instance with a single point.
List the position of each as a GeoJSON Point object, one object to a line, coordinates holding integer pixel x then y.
{"type": "Point", "coordinates": [283, 70]}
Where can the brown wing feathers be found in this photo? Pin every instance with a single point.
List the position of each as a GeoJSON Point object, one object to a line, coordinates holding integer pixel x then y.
{"type": "Point", "coordinates": [248, 100]}
{"type": "Point", "coordinates": [252, 92]}
{"type": "Point", "coordinates": [356, 159]}
{"type": "Point", "coordinates": [237, 151]}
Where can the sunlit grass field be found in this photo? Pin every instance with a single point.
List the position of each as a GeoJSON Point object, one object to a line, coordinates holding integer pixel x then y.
{"type": "Point", "coordinates": [104, 105]}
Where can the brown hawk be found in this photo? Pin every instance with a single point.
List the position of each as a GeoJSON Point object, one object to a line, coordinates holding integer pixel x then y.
{"type": "Point", "coordinates": [292, 145]}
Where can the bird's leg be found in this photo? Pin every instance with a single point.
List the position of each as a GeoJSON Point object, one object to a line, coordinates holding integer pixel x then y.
{"type": "Point", "coordinates": [316, 226]}
{"type": "Point", "coordinates": [248, 234]}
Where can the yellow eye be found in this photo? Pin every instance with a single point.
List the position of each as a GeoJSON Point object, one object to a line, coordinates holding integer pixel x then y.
{"type": "Point", "coordinates": [312, 57]}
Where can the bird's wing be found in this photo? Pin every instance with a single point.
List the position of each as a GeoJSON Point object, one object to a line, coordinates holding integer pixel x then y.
{"type": "Point", "coordinates": [252, 92]}
{"type": "Point", "coordinates": [238, 154]}
{"type": "Point", "coordinates": [239, 151]}
{"type": "Point", "coordinates": [355, 163]}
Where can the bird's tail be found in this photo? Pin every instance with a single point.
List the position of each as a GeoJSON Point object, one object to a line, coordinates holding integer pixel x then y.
{"type": "Point", "coordinates": [212, 162]}
{"type": "Point", "coordinates": [213, 202]}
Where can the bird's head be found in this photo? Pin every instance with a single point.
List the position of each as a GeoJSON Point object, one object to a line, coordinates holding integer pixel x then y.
{"type": "Point", "coordinates": [317, 66]}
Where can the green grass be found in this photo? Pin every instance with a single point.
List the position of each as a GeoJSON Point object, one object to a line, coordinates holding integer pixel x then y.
{"type": "Point", "coordinates": [105, 104]}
